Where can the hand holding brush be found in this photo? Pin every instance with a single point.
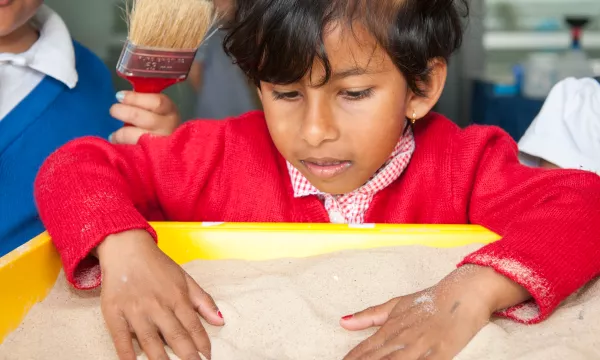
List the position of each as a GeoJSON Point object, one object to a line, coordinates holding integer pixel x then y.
{"type": "Point", "coordinates": [163, 38]}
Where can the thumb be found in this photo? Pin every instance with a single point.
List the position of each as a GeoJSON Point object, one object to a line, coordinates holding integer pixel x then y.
{"type": "Point", "coordinates": [373, 316]}
{"type": "Point", "coordinates": [127, 135]}
{"type": "Point", "coordinates": [204, 303]}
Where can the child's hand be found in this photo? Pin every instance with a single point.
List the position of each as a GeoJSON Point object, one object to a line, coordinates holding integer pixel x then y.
{"type": "Point", "coordinates": [148, 113]}
{"type": "Point", "coordinates": [145, 292]}
{"type": "Point", "coordinates": [436, 323]}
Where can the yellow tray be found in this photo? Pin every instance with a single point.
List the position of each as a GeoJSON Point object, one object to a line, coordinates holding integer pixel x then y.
{"type": "Point", "coordinates": [28, 273]}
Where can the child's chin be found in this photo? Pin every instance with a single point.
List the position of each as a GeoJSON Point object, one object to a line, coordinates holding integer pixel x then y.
{"type": "Point", "coordinates": [9, 21]}
{"type": "Point", "coordinates": [336, 186]}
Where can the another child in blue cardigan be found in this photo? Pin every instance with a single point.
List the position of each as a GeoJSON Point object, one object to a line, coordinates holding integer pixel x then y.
{"type": "Point", "coordinates": [53, 90]}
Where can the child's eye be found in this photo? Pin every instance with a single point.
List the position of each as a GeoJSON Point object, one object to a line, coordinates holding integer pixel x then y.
{"type": "Point", "coordinates": [357, 95]}
{"type": "Point", "coordinates": [289, 95]}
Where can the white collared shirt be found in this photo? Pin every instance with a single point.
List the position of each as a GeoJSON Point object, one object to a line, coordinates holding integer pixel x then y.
{"type": "Point", "coordinates": [52, 55]}
{"type": "Point", "coordinates": [566, 132]}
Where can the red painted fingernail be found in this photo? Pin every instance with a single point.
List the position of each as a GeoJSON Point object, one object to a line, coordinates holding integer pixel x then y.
{"type": "Point", "coordinates": [347, 317]}
{"type": "Point", "coordinates": [219, 313]}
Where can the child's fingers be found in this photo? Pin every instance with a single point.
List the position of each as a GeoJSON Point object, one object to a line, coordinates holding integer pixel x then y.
{"type": "Point", "coordinates": [373, 316]}
{"type": "Point", "coordinates": [204, 303]}
{"type": "Point", "coordinates": [127, 135]}
{"type": "Point", "coordinates": [136, 116]}
{"type": "Point", "coordinates": [176, 336]}
{"type": "Point", "coordinates": [148, 337]}
{"type": "Point", "coordinates": [192, 324]}
{"type": "Point", "coordinates": [120, 332]}
{"type": "Point", "coordinates": [156, 103]}
{"type": "Point", "coordinates": [383, 346]}
{"type": "Point", "coordinates": [397, 347]}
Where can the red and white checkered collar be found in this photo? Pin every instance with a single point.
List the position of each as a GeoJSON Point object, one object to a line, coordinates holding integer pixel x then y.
{"type": "Point", "coordinates": [350, 208]}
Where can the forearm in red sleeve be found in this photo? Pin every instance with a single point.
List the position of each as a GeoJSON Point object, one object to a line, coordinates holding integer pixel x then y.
{"type": "Point", "coordinates": [549, 221]}
{"type": "Point", "coordinates": [90, 189]}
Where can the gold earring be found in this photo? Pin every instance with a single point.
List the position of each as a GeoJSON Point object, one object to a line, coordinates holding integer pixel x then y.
{"type": "Point", "coordinates": [413, 120]}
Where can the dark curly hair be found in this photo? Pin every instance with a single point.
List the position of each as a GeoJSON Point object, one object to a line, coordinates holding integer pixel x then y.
{"type": "Point", "coordinates": [278, 41]}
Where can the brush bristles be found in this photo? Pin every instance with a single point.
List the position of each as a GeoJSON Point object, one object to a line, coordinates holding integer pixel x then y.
{"type": "Point", "coordinates": [170, 24]}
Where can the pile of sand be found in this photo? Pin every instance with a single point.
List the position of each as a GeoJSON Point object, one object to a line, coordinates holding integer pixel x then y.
{"type": "Point", "coordinates": [289, 309]}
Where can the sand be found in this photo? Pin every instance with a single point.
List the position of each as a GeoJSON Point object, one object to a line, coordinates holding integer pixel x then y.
{"type": "Point", "coordinates": [289, 309]}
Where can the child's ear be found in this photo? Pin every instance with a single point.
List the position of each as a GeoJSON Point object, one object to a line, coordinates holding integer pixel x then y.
{"type": "Point", "coordinates": [421, 105]}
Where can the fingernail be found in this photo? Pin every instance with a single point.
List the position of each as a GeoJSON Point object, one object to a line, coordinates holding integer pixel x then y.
{"type": "Point", "coordinates": [120, 96]}
{"type": "Point", "coordinates": [347, 317]}
{"type": "Point", "coordinates": [220, 314]}
{"type": "Point", "coordinates": [110, 137]}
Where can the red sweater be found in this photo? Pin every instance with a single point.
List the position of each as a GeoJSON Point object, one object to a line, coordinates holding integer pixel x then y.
{"type": "Point", "coordinates": [231, 171]}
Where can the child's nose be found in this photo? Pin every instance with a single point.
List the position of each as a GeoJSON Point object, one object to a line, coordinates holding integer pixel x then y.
{"type": "Point", "coordinates": [319, 126]}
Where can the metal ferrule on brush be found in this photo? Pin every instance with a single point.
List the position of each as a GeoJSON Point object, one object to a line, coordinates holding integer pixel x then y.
{"type": "Point", "coordinates": [139, 61]}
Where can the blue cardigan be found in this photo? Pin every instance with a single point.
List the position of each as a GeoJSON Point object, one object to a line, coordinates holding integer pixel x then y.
{"type": "Point", "coordinates": [51, 115]}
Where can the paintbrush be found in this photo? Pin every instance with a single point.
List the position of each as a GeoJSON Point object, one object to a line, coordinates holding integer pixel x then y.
{"type": "Point", "coordinates": [162, 41]}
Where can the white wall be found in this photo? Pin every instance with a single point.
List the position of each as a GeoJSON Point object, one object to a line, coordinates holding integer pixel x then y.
{"type": "Point", "coordinates": [91, 22]}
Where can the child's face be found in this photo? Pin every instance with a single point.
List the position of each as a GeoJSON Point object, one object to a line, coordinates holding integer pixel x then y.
{"type": "Point", "coordinates": [16, 13]}
{"type": "Point", "coordinates": [338, 135]}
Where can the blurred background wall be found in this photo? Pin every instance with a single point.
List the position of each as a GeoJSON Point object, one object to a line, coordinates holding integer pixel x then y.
{"type": "Point", "coordinates": [486, 74]}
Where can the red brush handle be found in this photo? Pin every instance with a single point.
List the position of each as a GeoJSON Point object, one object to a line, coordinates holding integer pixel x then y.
{"type": "Point", "coordinates": [151, 70]}
{"type": "Point", "coordinates": [149, 85]}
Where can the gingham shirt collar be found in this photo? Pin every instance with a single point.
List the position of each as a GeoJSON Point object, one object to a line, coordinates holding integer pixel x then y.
{"type": "Point", "coordinates": [351, 208]}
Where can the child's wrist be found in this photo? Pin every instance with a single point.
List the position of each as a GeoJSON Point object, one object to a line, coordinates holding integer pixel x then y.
{"type": "Point", "coordinates": [494, 290]}
{"type": "Point", "coordinates": [122, 243]}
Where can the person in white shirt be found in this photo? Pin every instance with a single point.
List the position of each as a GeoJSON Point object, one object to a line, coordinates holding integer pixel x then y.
{"type": "Point", "coordinates": [53, 90]}
{"type": "Point", "coordinates": [566, 132]}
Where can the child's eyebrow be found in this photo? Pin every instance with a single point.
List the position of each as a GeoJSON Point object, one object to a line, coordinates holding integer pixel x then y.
{"type": "Point", "coordinates": [353, 71]}
{"type": "Point", "coordinates": [348, 72]}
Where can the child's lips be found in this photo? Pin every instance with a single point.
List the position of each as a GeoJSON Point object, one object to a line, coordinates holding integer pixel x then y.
{"type": "Point", "coordinates": [5, 2]}
{"type": "Point", "coordinates": [326, 168]}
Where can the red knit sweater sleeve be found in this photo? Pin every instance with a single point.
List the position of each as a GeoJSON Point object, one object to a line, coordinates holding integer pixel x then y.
{"type": "Point", "coordinates": [90, 189]}
{"type": "Point", "coordinates": [549, 220]}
